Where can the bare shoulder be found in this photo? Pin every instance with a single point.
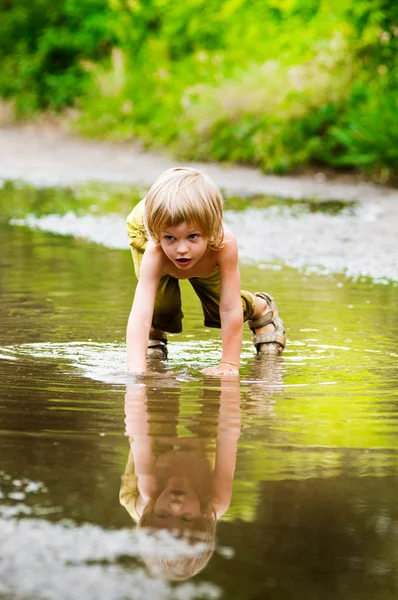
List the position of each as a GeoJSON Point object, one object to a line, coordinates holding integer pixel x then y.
{"type": "Point", "coordinates": [228, 235]}
{"type": "Point", "coordinates": [229, 251]}
{"type": "Point", "coordinates": [153, 262]}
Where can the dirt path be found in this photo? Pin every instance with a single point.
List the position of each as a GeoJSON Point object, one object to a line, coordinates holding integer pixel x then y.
{"type": "Point", "coordinates": [50, 157]}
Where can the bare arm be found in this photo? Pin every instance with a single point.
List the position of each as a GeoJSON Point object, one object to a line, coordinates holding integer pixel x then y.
{"type": "Point", "coordinates": [231, 312]}
{"type": "Point", "coordinates": [137, 429]}
{"type": "Point", "coordinates": [228, 433]}
{"type": "Point", "coordinates": [140, 319]}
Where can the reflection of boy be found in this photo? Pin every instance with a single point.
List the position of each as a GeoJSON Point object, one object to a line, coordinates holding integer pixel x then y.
{"type": "Point", "coordinates": [180, 484]}
{"type": "Point", "coordinates": [177, 233]}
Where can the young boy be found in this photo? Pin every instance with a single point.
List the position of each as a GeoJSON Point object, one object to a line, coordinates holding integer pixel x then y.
{"type": "Point", "coordinates": [175, 233]}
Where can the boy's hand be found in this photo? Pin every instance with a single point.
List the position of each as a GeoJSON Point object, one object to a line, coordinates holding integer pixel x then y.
{"type": "Point", "coordinates": [223, 369]}
{"type": "Point", "coordinates": [136, 371]}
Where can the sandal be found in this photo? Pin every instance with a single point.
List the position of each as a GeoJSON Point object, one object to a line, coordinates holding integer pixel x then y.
{"type": "Point", "coordinates": [157, 347]}
{"type": "Point", "coordinates": [269, 343]}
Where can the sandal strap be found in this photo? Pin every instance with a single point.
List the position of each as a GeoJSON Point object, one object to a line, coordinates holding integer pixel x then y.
{"type": "Point", "coordinates": [266, 297]}
{"type": "Point", "coordinates": [262, 321]}
{"type": "Point", "coordinates": [269, 338]}
{"type": "Point", "coordinates": [269, 316]}
{"type": "Point", "coordinates": [277, 336]}
{"type": "Point", "coordinates": [161, 344]}
{"type": "Point", "coordinates": [153, 343]}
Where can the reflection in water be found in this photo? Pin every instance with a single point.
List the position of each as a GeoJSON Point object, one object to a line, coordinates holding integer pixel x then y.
{"type": "Point", "coordinates": [182, 484]}
{"type": "Point", "coordinates": [55, 561]}
{"type": "Point", "coordinates": [313, 512]}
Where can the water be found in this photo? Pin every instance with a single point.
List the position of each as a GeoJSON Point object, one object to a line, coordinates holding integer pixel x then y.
{"type": "Point", "coordinates": [304, 447]}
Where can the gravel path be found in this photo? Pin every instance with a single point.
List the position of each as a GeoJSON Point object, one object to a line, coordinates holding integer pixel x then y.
{"type": "Point", "coordinates": [363, 244]}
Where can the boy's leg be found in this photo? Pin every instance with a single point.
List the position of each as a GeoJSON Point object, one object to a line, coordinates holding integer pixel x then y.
{"type": "Point", "coordinates": [208, 289]}
{"type": "Point", "coordinates": [167, 313]}
{"type": "Point", "coordinates": [268, 330]}
{"type": "Point", "coordinates": [258, 308]}
{"type": "Point", "coordinates": [167, 316]}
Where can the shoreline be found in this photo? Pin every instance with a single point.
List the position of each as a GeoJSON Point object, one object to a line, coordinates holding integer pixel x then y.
{"type": "Point", "coordinates": [360, 245]}
{"type": "Point", "coordinates": [46, 156]}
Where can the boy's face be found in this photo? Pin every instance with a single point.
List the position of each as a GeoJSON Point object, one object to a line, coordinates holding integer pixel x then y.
{"type": "Point", "coordinates": [184, 244]}
{"type": "Point", "coordinates": [177, 506]}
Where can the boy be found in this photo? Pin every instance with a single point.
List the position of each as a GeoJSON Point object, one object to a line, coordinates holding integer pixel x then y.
{"type": "Point", "coordinates": [175, 233]}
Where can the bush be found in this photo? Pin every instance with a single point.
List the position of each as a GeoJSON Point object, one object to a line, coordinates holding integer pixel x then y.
{"type": "Point", "coordinates": [367, 137]}
{"type": "Point", "coordinates": [274, 115]}
{"type": "Point", "coordinates": [41, 46]}
{"type": "Point", "coordinates": [280, 84]}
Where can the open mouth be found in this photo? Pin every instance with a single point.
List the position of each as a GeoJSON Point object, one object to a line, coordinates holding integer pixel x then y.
{"type": "Point", "coordinates": [183, 261]}
{"type": "Point", "coordinates": [177, 492]}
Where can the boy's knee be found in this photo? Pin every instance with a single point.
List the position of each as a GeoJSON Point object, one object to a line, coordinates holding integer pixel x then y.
{"type": "Point", "coordinates": [248, 304]}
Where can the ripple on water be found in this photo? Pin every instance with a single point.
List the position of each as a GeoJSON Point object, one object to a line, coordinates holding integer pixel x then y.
{"type": "Point", "coordinates": [306, 412]}
{"type": "Point", "coordinates": [316, 462]}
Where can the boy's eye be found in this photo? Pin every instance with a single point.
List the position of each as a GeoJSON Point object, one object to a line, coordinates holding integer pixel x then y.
{"type": "Point", "coordinates": [193, 236]}
{"type": "Point", "coordinates": [186, 518]}
{"type": "Point", "coordinates": [162, 515]}
{"type": "Point", "coordinates": [169, 238]}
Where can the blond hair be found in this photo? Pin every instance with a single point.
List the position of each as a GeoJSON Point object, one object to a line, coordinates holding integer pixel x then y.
{"type": "Point", "coordinates": [182, 565]}
{"type": "Point", "coordinates": [185, 195]}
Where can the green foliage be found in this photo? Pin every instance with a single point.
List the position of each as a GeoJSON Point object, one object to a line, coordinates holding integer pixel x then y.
{"type": "Point", "coordinates": [368, 136]}
{"type": "Point", "coordinates": [274, 115]}
{"type": "Point", "coordinates": [42, 44]}
{"type": "Point", "coordinates": [280, 84]}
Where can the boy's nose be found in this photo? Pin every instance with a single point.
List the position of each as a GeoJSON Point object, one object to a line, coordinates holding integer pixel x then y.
{"type": "Point", "coordinates": [176, 506]}
{"type": "Point", "coordinates": [182, 248]}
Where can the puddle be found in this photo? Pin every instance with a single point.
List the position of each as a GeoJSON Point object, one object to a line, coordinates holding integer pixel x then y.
{"type": "Point", "coordinates": [291, 206]}
{"type": "Point", "coordinates": [17, 199]}
{"type": "Point", "coordinates": [323, 237]}
{"type": "Point", "coordinates": [306, 444]}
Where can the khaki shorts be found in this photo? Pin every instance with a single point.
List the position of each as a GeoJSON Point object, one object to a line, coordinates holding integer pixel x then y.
{"type": "Point", "coordinates": [167, 314]}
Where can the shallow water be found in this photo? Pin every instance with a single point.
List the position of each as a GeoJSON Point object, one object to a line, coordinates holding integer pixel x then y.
{"type": "Point", "coordinates": [313, 508]}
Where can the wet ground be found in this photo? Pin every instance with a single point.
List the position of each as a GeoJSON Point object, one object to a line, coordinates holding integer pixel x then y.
{"type": "Point", "coordinates": [295, 467]}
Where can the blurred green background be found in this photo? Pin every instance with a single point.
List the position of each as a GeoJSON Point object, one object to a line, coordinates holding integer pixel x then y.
{"type": "Point", "coordinates": [282, 84]}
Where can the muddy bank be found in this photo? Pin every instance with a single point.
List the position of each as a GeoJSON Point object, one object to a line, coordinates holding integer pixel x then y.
{"type": "Point", "coordinates": [50, 157]}
{"type": "Point", "coordinates": [361, 243]}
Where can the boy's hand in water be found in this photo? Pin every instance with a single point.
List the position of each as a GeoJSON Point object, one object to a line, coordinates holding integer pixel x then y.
{"type": "Point", "coordinates": [221, 370]}
{"type": "Point", "coordinates": [136, 372]}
